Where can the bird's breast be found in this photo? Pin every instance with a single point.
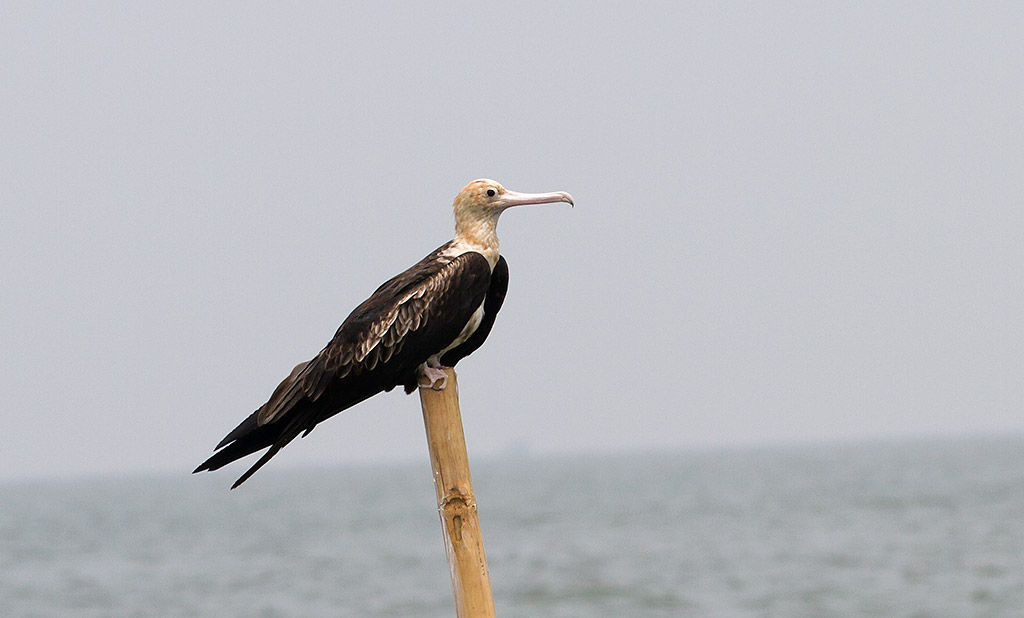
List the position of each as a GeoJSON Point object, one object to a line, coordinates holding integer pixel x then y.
{"type": "Point", "coordinates": [468, 330]}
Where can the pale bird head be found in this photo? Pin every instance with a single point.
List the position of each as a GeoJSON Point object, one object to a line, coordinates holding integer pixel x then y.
{"type": "Point", "coordinates": [483, 200]}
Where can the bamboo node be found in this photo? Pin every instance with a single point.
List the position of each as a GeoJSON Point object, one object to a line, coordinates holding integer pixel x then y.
{"type": "Point", "coordinates": [459, 494]}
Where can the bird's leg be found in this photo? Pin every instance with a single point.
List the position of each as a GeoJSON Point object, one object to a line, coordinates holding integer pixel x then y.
{"type": "Point", "coordinates": [433, 371]}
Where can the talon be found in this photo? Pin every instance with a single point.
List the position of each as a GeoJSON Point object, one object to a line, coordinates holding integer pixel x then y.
{"type": "Point", "coordinates": [433, 375]}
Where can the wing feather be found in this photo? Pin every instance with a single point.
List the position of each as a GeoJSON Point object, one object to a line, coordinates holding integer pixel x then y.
{"type": "Point", "coordinates": [377, 330]}
{"type": "Point", "coordinates": [410, 317]}
{"type": "Point", "coordinates": [492, 304]}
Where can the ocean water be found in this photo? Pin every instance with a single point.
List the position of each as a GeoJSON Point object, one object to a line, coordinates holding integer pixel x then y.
{"type": "Point", "coordinates": [897, 529]}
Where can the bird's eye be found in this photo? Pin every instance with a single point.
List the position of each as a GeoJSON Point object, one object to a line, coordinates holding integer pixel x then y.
{"type": "Point", "coordinates": [491, 192]}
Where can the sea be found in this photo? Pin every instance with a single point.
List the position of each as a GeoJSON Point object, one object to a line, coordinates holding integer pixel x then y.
{"type": "Point", "coordinates": [912, 528]}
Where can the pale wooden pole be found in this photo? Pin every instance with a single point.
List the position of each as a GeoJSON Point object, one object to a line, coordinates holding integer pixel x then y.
{"type": "Point", "coordinates": [456, 502]}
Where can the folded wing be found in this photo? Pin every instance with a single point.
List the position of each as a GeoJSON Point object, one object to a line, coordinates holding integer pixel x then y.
{"type": "Point", "coordinates": [379, 346]}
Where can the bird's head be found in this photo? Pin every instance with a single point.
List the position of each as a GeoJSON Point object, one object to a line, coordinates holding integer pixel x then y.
{"type": "Point", "coordinates": [481, 202]}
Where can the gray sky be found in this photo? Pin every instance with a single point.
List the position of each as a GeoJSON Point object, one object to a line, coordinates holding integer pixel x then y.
{"type": "Point", "coordinates": [802, 222]}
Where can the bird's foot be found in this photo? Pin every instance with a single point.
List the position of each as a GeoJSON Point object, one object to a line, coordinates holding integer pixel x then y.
{"type": "Point", "coordinates": [432, 376]}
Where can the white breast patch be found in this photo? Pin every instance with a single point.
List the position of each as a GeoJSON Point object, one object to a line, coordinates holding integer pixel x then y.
{"type": "Point", "coordinates": [467, 332]}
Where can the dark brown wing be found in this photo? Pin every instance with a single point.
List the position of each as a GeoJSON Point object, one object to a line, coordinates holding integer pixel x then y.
{"type": "Point", "coordinates": [492, 305]}
{"type": "Point", "coordinates": [379, 346]}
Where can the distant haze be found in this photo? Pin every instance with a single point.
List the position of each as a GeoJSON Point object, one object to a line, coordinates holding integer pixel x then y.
{"type": "Point", "coordinates": [796, 222]}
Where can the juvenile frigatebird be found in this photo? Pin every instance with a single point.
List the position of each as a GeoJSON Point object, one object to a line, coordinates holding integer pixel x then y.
{"type": "Point", "coordinates": [427, 318]}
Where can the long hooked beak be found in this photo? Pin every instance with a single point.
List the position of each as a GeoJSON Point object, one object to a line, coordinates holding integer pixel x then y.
{"type": "Point", "coordinates": [514, 198]}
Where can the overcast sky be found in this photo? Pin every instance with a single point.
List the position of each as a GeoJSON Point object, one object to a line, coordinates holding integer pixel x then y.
{"type": "Point", "coordinates": [802, 222]}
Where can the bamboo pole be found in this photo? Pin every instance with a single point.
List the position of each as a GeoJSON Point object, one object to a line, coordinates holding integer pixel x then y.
{"type": "Point", "coordinates": [456, 504]}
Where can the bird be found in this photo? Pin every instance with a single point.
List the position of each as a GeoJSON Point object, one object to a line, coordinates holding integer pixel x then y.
{"type": "Point", "coordinates": [414, 325]}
